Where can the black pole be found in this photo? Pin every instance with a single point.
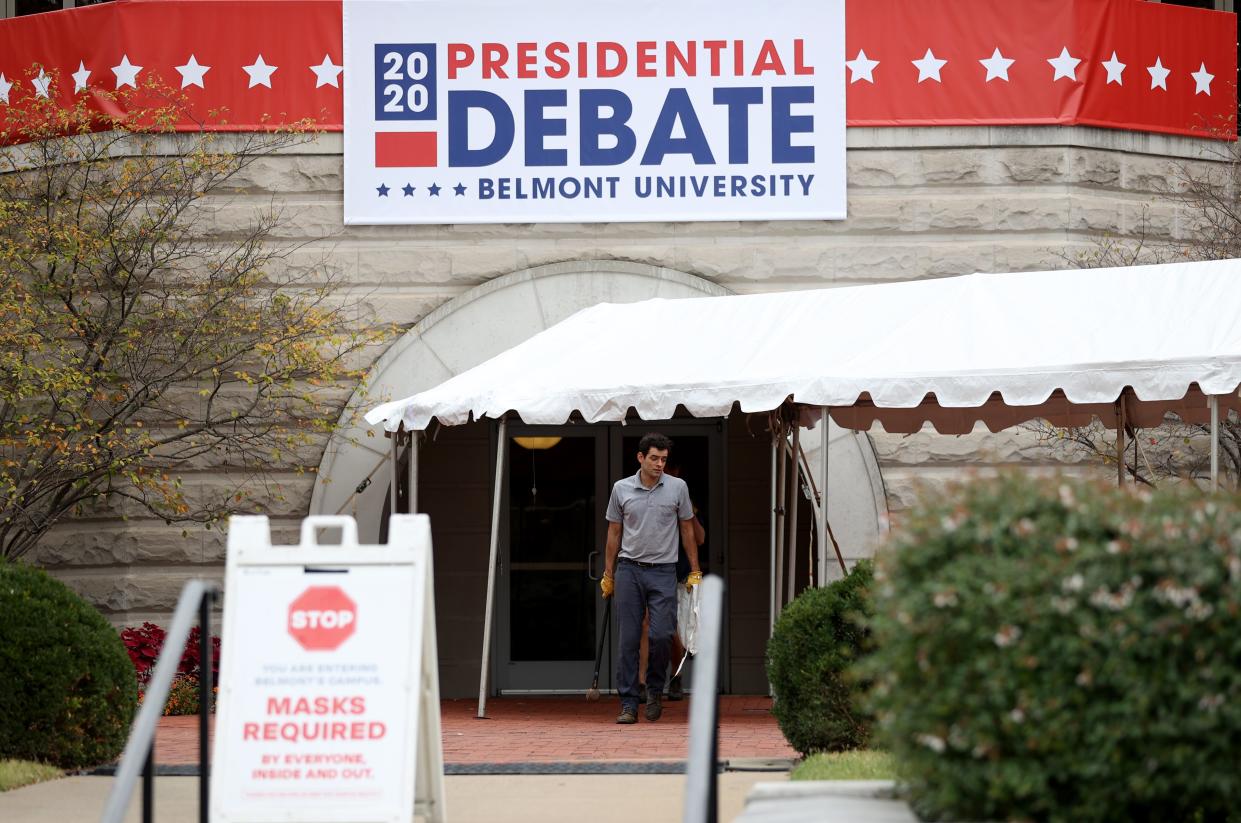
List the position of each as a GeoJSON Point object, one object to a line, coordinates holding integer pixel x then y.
{"type": "Point", "coordinates": [713, 797]}
{"type": "Point", "coordinates": [204, 703]}
{"type": "Point", "coordinates": [148, 786]}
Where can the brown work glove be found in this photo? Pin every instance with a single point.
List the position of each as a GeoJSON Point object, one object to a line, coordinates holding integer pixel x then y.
{"type": "Point", "coordinates": [692, 580]}
{"type": "Point", "coordinates": [606, 586]}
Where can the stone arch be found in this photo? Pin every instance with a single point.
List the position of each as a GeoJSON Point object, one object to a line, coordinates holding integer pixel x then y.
{"type": "Point", "coordinates": [495, 316]}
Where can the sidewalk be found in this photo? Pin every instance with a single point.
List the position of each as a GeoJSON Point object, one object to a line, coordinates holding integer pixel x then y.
{"type": "Point", "coordinates": [622, 798]}
{"type": "Point", "coordinates": [548, 730]}
{"type": "Point", "coordinates": [542, 738]}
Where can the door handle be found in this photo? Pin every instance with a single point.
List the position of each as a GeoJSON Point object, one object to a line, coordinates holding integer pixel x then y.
{"type": "Point", "coordinates": [590, 565]}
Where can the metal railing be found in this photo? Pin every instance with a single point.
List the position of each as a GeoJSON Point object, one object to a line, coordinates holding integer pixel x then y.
{"type": "Point", "coordinates": [701, 771]}
{"type": "Point", "coordinates": [139, 755]}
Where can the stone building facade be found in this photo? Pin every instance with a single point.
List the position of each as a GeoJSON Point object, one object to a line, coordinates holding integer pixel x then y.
{"type": "Point", "coordinates": [922, 202]}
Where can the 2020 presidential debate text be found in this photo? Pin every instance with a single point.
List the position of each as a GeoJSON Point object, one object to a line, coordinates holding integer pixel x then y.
{"type": "Point", "coordinates": [554, 111]}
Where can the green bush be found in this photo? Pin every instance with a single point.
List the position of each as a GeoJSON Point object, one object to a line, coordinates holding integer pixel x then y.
{"type": "Point", "coordinates": [67, 686]}
{"type": "Point", "coordinates": [1065, 652]}
{"type": "Point", "coordinates": [816, 639]}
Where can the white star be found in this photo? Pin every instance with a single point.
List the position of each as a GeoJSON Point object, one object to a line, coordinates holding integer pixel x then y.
{"type": "Point", "coordinates": [1115, 69]}
{"type": "Point", "coordinates": [192, 73]}
{"type": "Point", "coordinates": [126, 73]}
{"type": "Point", "coordinates": [1202, 80]}
{"type": "Point", "coordinates": [997, 66]}
{"type": "Point", "coordinates": [80, 77]}
{"type": "Point", "coordinates": [1065, 65]}
{"type": "Point", "coordinates": [260, 73]}
{"type": "Point", "coordinates": [41, 84]}
{"type": "Point", "coordinates": [929, 66]}
{"type": "Point", "coordinates": [1159, 75]}
{"type": "Point", "coordinates": [327, 73]}
{"type": "Point", "coordinates": [5, 85]}
{"type": "Point", "coordinates": [862, 68]}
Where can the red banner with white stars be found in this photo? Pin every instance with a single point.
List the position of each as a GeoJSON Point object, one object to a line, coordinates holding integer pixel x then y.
{"type": "Point", "coordinates": [241, 64]}
{"type": "Point", "coordinates": [1122, 64]}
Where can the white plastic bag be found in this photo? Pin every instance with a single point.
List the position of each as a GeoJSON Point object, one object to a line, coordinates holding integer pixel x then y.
{"type": "Point", "coordinates": [687, 617]}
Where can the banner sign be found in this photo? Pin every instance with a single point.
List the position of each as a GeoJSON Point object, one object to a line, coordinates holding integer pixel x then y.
{"type": "Point", "coordinates": [490, 111]}
{"type": "Point", "coordinates": [250, 65]}
{"type": "Point", "coordinates": [328, 702]}
{"type": "Point", "coordinates": [1119, 64]}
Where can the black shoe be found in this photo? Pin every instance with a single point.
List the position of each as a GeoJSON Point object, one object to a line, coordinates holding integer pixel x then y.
{"type": "Point", "coordinates": [627, 717]}
{"type": "Point", "coordinates": [641, 692]}
{"type": "Point", "coordinates": [676, 692]}
{"type": "Point", "coordinates": [654, 707]}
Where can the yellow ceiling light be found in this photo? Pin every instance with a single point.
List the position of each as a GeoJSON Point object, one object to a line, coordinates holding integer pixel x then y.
{"type": "Point", "coordinates": [536, 443]}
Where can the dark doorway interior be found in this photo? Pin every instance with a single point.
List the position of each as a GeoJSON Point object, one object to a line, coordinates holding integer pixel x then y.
{"type": "Point", "coordinates": [725, 464]}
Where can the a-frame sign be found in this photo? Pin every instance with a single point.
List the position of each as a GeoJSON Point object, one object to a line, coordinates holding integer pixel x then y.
{"type": "Point", "coordinates": [328, 707]}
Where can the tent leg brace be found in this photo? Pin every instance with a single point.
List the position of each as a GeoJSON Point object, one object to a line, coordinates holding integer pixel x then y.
{"type": "Point", "coordinates": [824, 447]}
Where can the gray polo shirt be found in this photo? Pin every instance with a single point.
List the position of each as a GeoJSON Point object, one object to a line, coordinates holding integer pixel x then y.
{"type": "Point", "coordinates": [650, 518]}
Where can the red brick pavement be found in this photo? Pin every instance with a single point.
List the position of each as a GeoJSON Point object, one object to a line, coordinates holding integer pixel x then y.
{"type": "Point", "coordinates": [556, 729]}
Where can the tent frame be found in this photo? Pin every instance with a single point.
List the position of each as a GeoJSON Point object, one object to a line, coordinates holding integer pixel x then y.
{"type": "Point", "coordinates": [784, 497]}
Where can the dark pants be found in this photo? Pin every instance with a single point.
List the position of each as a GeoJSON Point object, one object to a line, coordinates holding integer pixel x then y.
{"type": "Point", "coordinates": [640, 589]}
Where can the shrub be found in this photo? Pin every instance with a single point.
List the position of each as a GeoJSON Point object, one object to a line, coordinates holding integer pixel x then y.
{"type": "Point", "coordinates": [144, 645]}
{"type": "Point", "coordinates": [67, 691]}
{"type": "Point", "coordinates": [817, 637]}
{"type": "Point", "coordinates": [145, 642]}
{"type": "Point", "coordinates": [1062, 651]}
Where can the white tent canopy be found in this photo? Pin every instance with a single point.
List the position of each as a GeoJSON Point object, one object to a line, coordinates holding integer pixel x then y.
{"type": "Point", "coordinates": [1000, 348]}
{"type": "Point", "coordinates": [1122, 345]}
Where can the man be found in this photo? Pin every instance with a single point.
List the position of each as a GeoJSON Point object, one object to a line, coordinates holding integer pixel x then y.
{"type": "Point", "coordinates": [646, 514]}
{"type": "Point", "coordinates": [675, 691]}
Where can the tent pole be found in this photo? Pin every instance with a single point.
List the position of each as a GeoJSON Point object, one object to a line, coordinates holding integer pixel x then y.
{"type": "Point", "coordinates": [826, 444]}
{"type": "Point", "coordinates": [1214, 403]}
{"type": "Point", "coordinates": [1120, 440]}
{"type": "Point", "coordinates": [794, 495]}
{"type": "Point", "coordinates": [774, 501]}
{"type": "Point", "coordinates": [412, 492]}
{"type": "Point", "coordinates": [394, 454]}
{"type": "Point", "coordinates": [781, 492]}
{"type": "Point", "coordinates": [501, 444]}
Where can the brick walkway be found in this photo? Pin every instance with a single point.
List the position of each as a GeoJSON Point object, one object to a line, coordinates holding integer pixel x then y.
{"type": "Point", "coordinates": [556, 730]}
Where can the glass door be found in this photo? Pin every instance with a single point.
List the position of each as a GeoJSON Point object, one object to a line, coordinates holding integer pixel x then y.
{"type": "Point", "coordinates": [550, 611]}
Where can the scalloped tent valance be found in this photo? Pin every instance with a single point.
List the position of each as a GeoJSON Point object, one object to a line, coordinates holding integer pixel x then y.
{"type": "Point", "coordinates": [1064, 346]}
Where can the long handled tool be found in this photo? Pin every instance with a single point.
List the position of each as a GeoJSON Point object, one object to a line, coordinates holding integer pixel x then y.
{"type": "Point", "coordinates": [592, 694]}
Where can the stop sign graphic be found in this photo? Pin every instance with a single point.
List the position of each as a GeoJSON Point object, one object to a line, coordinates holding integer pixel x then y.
{"type": "Point", "coordinates": [322, 617]}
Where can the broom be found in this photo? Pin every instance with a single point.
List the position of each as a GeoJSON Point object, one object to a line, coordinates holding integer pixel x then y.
{"type": "Point", "coordinates": [592, 694]}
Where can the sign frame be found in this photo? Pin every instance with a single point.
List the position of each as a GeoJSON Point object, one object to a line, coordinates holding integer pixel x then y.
{"type": "Point", "coordinates": [597, 114]}
{"type": "Point", "coordinates": [407, 554]}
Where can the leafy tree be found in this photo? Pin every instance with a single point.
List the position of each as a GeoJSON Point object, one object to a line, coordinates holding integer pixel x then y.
{"type": "Point", "coordinates": [1205, 196]}
{"type": "Point", "coordinates": [137, 335]}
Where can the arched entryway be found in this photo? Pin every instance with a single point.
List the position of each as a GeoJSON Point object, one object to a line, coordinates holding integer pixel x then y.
{"type": "Point", "coordinates": [462, 333]}
{"type": "Point", "coordinates": [455, 485]}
